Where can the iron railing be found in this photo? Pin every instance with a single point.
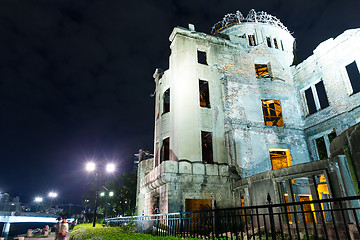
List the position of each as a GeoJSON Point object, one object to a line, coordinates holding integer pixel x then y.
{"type": "Point", "coordinates": [336, 218]}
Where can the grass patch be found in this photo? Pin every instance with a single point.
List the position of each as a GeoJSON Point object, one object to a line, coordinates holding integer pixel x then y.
{"type": "Point", "coordinates": [87, 231]}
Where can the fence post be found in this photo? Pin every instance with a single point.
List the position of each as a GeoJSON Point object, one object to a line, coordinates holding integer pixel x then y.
{"type": "Point", "coordinates": [271, 217]}
{"type": "Point", "coordinates": [181, 224]}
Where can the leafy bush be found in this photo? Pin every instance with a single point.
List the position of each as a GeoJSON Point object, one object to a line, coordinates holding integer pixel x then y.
{"type": "Point", "coordinates": [86, 231]}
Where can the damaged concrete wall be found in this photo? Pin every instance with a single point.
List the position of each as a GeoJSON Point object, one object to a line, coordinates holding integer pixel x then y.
{"type": "Point", "coordinates": [328, 64]}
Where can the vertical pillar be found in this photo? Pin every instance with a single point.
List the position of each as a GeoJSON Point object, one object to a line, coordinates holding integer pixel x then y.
{"type": "Point", "coordinates": [6, 227]}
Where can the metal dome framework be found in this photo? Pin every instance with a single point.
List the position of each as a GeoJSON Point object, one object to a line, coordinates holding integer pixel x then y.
{"type": "Point", "coordinates": [253, 16]}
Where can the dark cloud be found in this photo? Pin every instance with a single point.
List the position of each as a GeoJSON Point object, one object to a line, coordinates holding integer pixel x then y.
{"type": "Point", "coordinates": [76, 77]}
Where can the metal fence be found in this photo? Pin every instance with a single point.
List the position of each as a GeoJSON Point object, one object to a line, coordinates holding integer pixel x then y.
{"type": "Point", "coordinates": [336, 218]}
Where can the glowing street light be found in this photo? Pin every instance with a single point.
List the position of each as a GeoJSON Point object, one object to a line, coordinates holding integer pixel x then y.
{"type": "Point", "coordinates": [102, 194]}
{"type": "Point", "coordinates": [52, 195]}
{"type": "Point", "coordinates": [38, 200]}
{"type": "Point", "coordinates": [91, 167]}
{"type": "Point", "coordinates": [110, 167]}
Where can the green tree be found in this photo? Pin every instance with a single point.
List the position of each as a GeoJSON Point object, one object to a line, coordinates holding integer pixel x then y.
{"type": "Point", "coordinates": [121, 203]}
{"type": "Point", "coordinates": [124, 188]}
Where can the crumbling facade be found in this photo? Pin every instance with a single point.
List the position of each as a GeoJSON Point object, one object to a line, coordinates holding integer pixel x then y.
{"type": "Point", "coordinates": [235, 120]}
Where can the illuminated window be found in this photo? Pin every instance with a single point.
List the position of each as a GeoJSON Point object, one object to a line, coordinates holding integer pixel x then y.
{"type": "Point", "coordinates": [316, 97]}
{"type": "Point", "coordinates": [354, 76]}
{"type": "Point", "coordinates": [275, 43]}
{"type": "Point", "coordinates": [206, 147]}
{"type": "Point", "coordinates": [307, 208]}
{"type": "Point", "coordinates": [268, 41]}
{"type": "Point", "coordinates": [204, 94]}
{"type": "Point", "coordinates": [201, 56]}
{"type": "Point", "coordinates": [262, 71]}
{"type": "Point", "coordinates": [280, 158]}
{"type": "Point", "coordinates": [252, 41]}
{"type": "Point", "coordinates": [166, 101]}
{"type": "Point", "coordinates": [165, 150]}
{"type": "Point", "coordinates": [272, 112]}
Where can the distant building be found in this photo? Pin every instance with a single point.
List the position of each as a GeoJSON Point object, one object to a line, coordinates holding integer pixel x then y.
{"type": "Point", "coordinates": [7, 205]}
{"type": "Point", "coordinates": [236, 120]}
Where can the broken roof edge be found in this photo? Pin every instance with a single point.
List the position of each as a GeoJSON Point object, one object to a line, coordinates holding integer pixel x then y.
{"type": "Point", "coordinates": [190, 33]}
{"type": "Point", "coordinates": [329, 44]}
{"type": "Point", "coordinates": [253, 16]}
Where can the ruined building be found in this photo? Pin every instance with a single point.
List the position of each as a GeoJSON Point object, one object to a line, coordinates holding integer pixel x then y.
{"type": "Point", "coordinates": [236, 120]}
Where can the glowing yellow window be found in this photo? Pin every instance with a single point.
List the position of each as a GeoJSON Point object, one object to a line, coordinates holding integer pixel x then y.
{"type": "Point", "coordinates": [280, 158]}
{"type": "Point", "coordinates": [272, 112]}
{"type": "Point", "coordinates": [262, 70]}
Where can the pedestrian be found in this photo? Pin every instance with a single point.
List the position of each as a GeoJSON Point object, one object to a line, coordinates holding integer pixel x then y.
{"type": "Point", "coordinates": [57, 228]}
{"type": "Point", "coordinates": [64, 229]}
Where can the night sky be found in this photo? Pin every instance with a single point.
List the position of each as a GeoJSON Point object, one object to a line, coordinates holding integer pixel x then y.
{"type": "Point", "coordinates": [76, 78]}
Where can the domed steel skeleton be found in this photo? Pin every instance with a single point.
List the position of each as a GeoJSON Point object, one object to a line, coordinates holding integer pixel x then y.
{"type": "Point", "coordinates": [237, 18]}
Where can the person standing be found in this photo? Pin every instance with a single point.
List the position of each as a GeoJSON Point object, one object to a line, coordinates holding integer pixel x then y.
{"type": "Point", "coordinates": [64, 229]}
{"type": "Point", "coordinates": [57, 228]}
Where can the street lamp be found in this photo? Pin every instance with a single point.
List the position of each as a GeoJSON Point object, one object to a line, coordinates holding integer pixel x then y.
{"type": "Point", "coordinates": [52, 195]}
{"type": "Point", "coordinates": [91, 167]}
{"type": "Point", "coordinates": [38, 200]}
{"type": "Point", "coordinates": [102, 194]}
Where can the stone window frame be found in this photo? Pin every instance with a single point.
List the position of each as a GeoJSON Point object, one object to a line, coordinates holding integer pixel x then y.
{"type": "Point", "coordinates": [163, 110]}
{"type": "Point", "coordinates": [268, 64]}
{"type": "Point", "coordinates": [347, 82]}
{"type": "Point", "coordinates": [268, 118]}
{"type": "Point", "coordinates": [208, 93]}
{"type": "Point", "coordinates": [325, 135]}
{"type": "Point", "coordinates": [206, 52]}
{"type": "Point", "coordinates": [315, 95]}
{"type": "Point", "coordinates": [252, 42]}
{"type": "Point", "coordinates": [268, 41]}
{"type": "Point", "coordinates": [288, 154]}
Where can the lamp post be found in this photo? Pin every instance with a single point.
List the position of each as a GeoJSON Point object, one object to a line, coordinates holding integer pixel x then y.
{"type": "Point", "coordinates": [102, 194]}
{"type": "Point", "coordinates": [38, 200]}
{"type": "Point", "coordinates": [52, 195]}
{"type": "Point", "coordinates": [91, 167]}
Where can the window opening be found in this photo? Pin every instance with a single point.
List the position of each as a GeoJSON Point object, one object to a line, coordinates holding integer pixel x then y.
{"type": "Point", "coordinates": [286, 199]}
{"type": "Point", "coordinates": [272, 112]}
{"type": "Point", "coordinates": [321, 147]}
{"type": "Point", "coordinates": [308, 208]}
{"type": "Point", "coordinates": [206, 147]}
{"type": "Point", "coordinates": [165, 151]}
{"type": "Point", "coordinates": [323, 193]}
{"type": "Point", "coordinates": [268, 41]}
{"type": "Point", "coordinates": [252, 41]}
{"type": "Point", "coordinates": [275, 43]}
{"type": "Point", "coordinates": [316, 97]}
{"type": "Point", "coordinates": [310, 101]}
{"type": "Point", "coordinates": [282, 46]}
{"type": "Point", "coordinates": [201, 56]}
{"type": "Point", "coordinates": [242, 204]}
{"type": "Point", "coordinates": [320, 89]}
{"type": "Point", "coordinates": [166, 101]}
{"type": "Point", "coordinates": [204, 94]}
{"type": "Point", "coordinates": [354, 76]}
{"type": "Point", "coordinates": [332, 136]}
{"type": "Point", "coordinates": [280, 158]}
{"type": "Point", "coordinates": [262, 71]}
{"type": "Point", "coordinates": [157, 157]}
